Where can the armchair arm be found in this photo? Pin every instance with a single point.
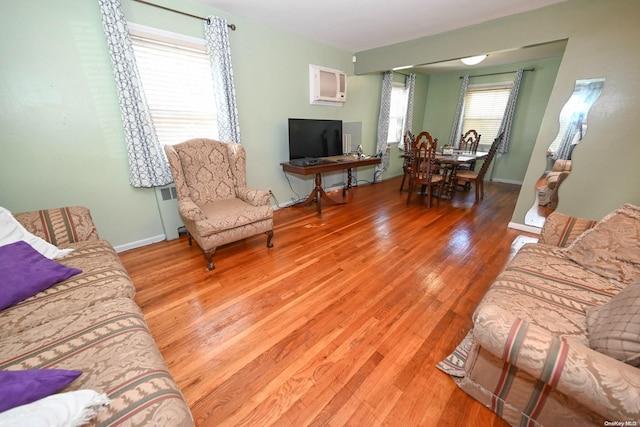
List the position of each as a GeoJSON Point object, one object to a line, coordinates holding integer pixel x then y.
{"type": "Point", "coordinates": [599, 382]}
{"type": "Point", "coordinates": [561, 230]}
{"type": "Point", "coordinates": [554, 179]}
{"type": "Point", "coordinates": [254, 197]}
{"type": "Point", "coordinates": [60, 226]}
{"type": "Point", "coordinates": [189, 210]}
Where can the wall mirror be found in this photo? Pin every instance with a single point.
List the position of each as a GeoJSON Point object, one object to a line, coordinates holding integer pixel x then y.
{"type": "Point", "coordinates": [573, 127]}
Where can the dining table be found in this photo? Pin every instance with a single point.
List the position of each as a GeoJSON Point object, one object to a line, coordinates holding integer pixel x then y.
{"type": "Point", "coordinates": [454, 159]}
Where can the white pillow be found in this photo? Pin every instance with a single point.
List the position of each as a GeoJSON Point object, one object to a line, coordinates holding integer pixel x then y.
{"type": "Point", "coordinates": [74, 408]}
{"type": "Point", "coordinates": [12, 231]}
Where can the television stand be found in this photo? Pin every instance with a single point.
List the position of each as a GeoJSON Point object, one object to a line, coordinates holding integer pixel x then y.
{"type": "Point", "coordinates": [307, 162]}
{"type": "Point", "coordinates": [329, 164]}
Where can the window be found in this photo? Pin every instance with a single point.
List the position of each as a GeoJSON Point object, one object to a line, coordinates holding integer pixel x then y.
{"type": "Point", "coordinates": [397, 112]}
{"type": "Point", "coordinates": [484, 108]}
{"type": "Point", "coordinates": [177, 83]}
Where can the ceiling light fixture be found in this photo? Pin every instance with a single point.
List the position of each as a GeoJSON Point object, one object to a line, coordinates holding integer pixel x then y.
{"type": "Point", "coordinates": [473, 60]}
{"type": "Point", "coordinates": [404, 67]}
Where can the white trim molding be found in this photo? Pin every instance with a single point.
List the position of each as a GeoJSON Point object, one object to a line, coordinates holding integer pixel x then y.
{"type": "Point", "coordinates": [522, 227]}
{"type": "Point", "coordinates": [140, 243]}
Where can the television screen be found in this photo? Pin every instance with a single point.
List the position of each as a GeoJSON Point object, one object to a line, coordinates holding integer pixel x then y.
{"type": "Point", "coordinates": [312, 138]}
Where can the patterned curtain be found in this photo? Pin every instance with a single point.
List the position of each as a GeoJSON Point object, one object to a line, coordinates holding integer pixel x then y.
{"type": "Point", "coordinates": [383, 126]}
{"type": "Point", "coordinates": [455, 130]}
{"type": "Point", "coordinates": [148, 166]}
{"type": "Point", "coordinates": [565, 145]}
{"type": "Point", "coordinates": [586, 94]}
{"type": "Point", "coordinates": [219, 48]}
{"type": "Point", "coordinates": [410, 83]}
{"type": "Point", "coordinates": [509, 112]}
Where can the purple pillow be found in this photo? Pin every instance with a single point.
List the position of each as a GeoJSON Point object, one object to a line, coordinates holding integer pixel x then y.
{"type": "Point", "coordinates": [22, 387]}
{"type": "Point", "coordinates": [25, 272]}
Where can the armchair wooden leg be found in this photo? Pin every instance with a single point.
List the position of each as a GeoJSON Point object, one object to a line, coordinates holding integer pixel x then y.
{"type": "Point", "coordinates": [269, 237]}
{"type": "Point", "coordinates": [189, 237]}
{"type": "Point", "coordinates": [208, 255]}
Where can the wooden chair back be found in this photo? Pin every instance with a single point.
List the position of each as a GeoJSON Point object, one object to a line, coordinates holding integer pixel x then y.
{"type": "Point", "coordinates": [492, 153]}
{"type": "Point", "coordinates": [424, 157]}
{"type": "Point", "coordinates": [469, 141]}
{"type": "Point", "coordinates": [424, 168]}
{"type": "Point", "coordinates": [409, 145]}
{"type": "Point", "coordinates": [409, 140]}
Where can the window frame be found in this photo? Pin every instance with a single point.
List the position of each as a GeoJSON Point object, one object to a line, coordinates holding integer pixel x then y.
{"type": "Point", "coordinates": [398, 86]}
{"type": "Point", "coordinates": [485, 141]}
{"type": "Point", "coordinates": [169, 133]}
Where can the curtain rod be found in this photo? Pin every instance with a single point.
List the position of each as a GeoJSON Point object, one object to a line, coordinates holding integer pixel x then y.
{"type": "Point", "coordinates": [232, 27]}
{"type": "Point", "coordinates": [495, 74]}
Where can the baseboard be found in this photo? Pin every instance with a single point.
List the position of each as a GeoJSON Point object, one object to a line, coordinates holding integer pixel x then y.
{"type": "Point", "coordinates": [506, 181]}
{"type": "Point", "coordinates": [140, 243]}
{"type": "Point", "coordinates": [522, 227]}
{"type": "Point", "coordinates": [335, 187]}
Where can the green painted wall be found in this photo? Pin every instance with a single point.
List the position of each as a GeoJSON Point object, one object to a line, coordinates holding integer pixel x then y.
{"type": "Point", "coordinates": [421, 91]}
{"type": "Point", "coordinates": [602, 42]}
{"type": "Point", "coordinates": [62, 141]}
{"type": "Point", "coordinates": [532, 101]}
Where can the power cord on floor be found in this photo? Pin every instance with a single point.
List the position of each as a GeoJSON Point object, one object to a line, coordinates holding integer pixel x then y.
{"type": "Point", "coordinates": [275, 198]}
{"type": "Point", "coordinates": [364, 181]}
{"type": "Point", "coordinates": [298, 198]}
{"type": "Point", "coordinates": [293, 200]}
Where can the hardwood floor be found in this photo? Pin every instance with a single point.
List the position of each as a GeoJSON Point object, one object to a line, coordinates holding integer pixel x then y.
{"type": "Point", "coordinates": [341, 323]}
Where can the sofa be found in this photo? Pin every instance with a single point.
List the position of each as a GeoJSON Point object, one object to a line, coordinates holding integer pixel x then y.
{"type": "Point", "coordinates": [90, 323]}
{"type": "Point", "coordinates": [556, 338]}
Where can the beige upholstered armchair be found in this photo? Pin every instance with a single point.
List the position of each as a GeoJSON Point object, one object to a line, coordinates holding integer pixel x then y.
{"type": "Point", "coordinates": [213, 199]}
{"type": "Point", "coordinates": [548, 189]}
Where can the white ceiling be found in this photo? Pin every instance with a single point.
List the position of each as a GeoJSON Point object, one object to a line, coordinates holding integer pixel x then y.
{"type": "Point", "coordinates": [523, 54]}
{"type": "Point", "coordinates": [358, 25]}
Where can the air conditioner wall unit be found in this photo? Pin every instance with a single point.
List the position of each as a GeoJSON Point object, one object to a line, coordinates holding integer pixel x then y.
{"type": "Point", "coordinates": [327, 86]}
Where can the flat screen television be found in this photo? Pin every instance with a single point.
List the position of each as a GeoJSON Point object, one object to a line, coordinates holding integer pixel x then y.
{"type": "Point", "coordinates": [313, 138]}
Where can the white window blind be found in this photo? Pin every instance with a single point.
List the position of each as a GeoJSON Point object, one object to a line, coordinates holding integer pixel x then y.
{"type": "Point", "coordinates": [177, 82]}
{"type": "Point", "coordinates": [484, 108]}
{"type": "Point", "coordinates": [397, 112]}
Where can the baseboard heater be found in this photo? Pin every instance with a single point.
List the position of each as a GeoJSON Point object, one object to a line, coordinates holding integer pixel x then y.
{"type": "Point", "coordinates": [167, 199]}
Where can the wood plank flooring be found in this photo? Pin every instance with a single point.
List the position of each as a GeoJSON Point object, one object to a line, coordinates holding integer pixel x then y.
{"type": "Point", "coordinates": [341, 323]}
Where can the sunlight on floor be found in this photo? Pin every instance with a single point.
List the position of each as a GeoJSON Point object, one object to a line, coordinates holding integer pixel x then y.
{"type": "Point", "coordinates": [460, 241]}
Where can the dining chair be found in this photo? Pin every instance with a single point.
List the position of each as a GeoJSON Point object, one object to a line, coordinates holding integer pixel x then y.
{"type": "Point", "coordinates": [469, 141]}
{"type": "Point", "coordinates": [409, 139]}
{"type": "Point", "coordinates": [424, 171]}
{"type": "Point", "coordinates": [469, 176]}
